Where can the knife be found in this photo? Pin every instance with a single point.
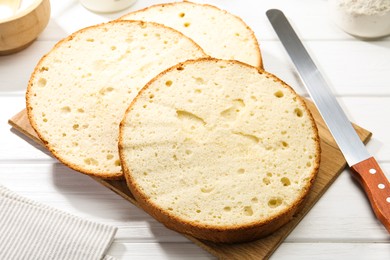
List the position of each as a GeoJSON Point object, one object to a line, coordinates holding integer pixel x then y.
{"type": "Point", "coordinates": [364, 167]}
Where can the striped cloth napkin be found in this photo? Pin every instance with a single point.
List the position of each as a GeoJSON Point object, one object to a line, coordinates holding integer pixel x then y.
{"type": "Point", "coordinates": [29, 230]}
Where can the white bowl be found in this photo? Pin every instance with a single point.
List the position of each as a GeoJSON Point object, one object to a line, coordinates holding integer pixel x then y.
{"type": "Point", "coordinates": [366, 24]}
{"type": "Point", "coordinates": [106, 6]}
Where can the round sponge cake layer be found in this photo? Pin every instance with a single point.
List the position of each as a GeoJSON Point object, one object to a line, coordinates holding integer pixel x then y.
{"type": "Point", "coordinates": [80, 90]}
{"type": "Point", "coordinates": [219, 150]}
{"type": "Point", "coordinates": [220, 34]}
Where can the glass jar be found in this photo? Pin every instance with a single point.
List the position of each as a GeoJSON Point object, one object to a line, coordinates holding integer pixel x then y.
{"type": "Point", "coordinates": [106, 6]}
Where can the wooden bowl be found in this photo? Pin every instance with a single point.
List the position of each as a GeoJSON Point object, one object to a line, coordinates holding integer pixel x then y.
{"type": "Point", "coordinates": [19, 31]}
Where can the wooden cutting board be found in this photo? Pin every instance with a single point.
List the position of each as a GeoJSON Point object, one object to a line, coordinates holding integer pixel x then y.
{"type": "Point", "coordinates": [332, 163]}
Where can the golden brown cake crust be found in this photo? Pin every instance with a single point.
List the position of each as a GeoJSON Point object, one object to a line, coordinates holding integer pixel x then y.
{"type": "Point", "coordinates": [260, 64]}
{"type": "Point", "coordinates": [220, 234]}
{"type": "Point", "coordinates": [29, 107]}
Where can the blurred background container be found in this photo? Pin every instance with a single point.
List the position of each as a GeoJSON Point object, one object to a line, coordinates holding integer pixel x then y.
{"type": "Point", "coordinates": [367, 19]}
{"type": "Point", "coordinates": [106, 6]}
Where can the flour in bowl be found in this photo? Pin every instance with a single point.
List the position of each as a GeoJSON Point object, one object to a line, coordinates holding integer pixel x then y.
{"type": "Point", "coordinates": [362, 18]}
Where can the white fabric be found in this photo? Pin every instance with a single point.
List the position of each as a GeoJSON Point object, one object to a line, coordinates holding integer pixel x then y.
{"type": "Point", "coordinates": [29, 230]}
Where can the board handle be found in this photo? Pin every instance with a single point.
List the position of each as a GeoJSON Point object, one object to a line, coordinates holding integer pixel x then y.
{"type": "Point", "coordinates": [377, 188]}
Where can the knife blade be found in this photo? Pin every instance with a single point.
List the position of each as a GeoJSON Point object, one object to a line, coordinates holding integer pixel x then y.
{"type": "Point", "coordinates": [364, 166]}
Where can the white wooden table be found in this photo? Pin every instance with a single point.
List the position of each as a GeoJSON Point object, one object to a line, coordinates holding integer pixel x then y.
{"type": "Point", "coordinates": [340, 226]}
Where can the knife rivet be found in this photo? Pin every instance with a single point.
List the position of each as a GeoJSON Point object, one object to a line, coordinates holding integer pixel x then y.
{"type": "Point", "coordinates": [381, 186]}
{"type": "Point", "coordinates": [372, 171]}
{"type": "Point", "coordinates": [388, 199]}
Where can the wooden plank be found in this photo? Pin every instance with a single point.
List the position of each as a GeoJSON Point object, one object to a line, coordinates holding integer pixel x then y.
{"type": "Point", "coordinates": [253, 12]}
{"type": "Point", "coordinates": [332, 163]}
{"type": "Point", "coordinates": [333, 250]}
{"type": "Point", "coordinates": [334, 218]}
